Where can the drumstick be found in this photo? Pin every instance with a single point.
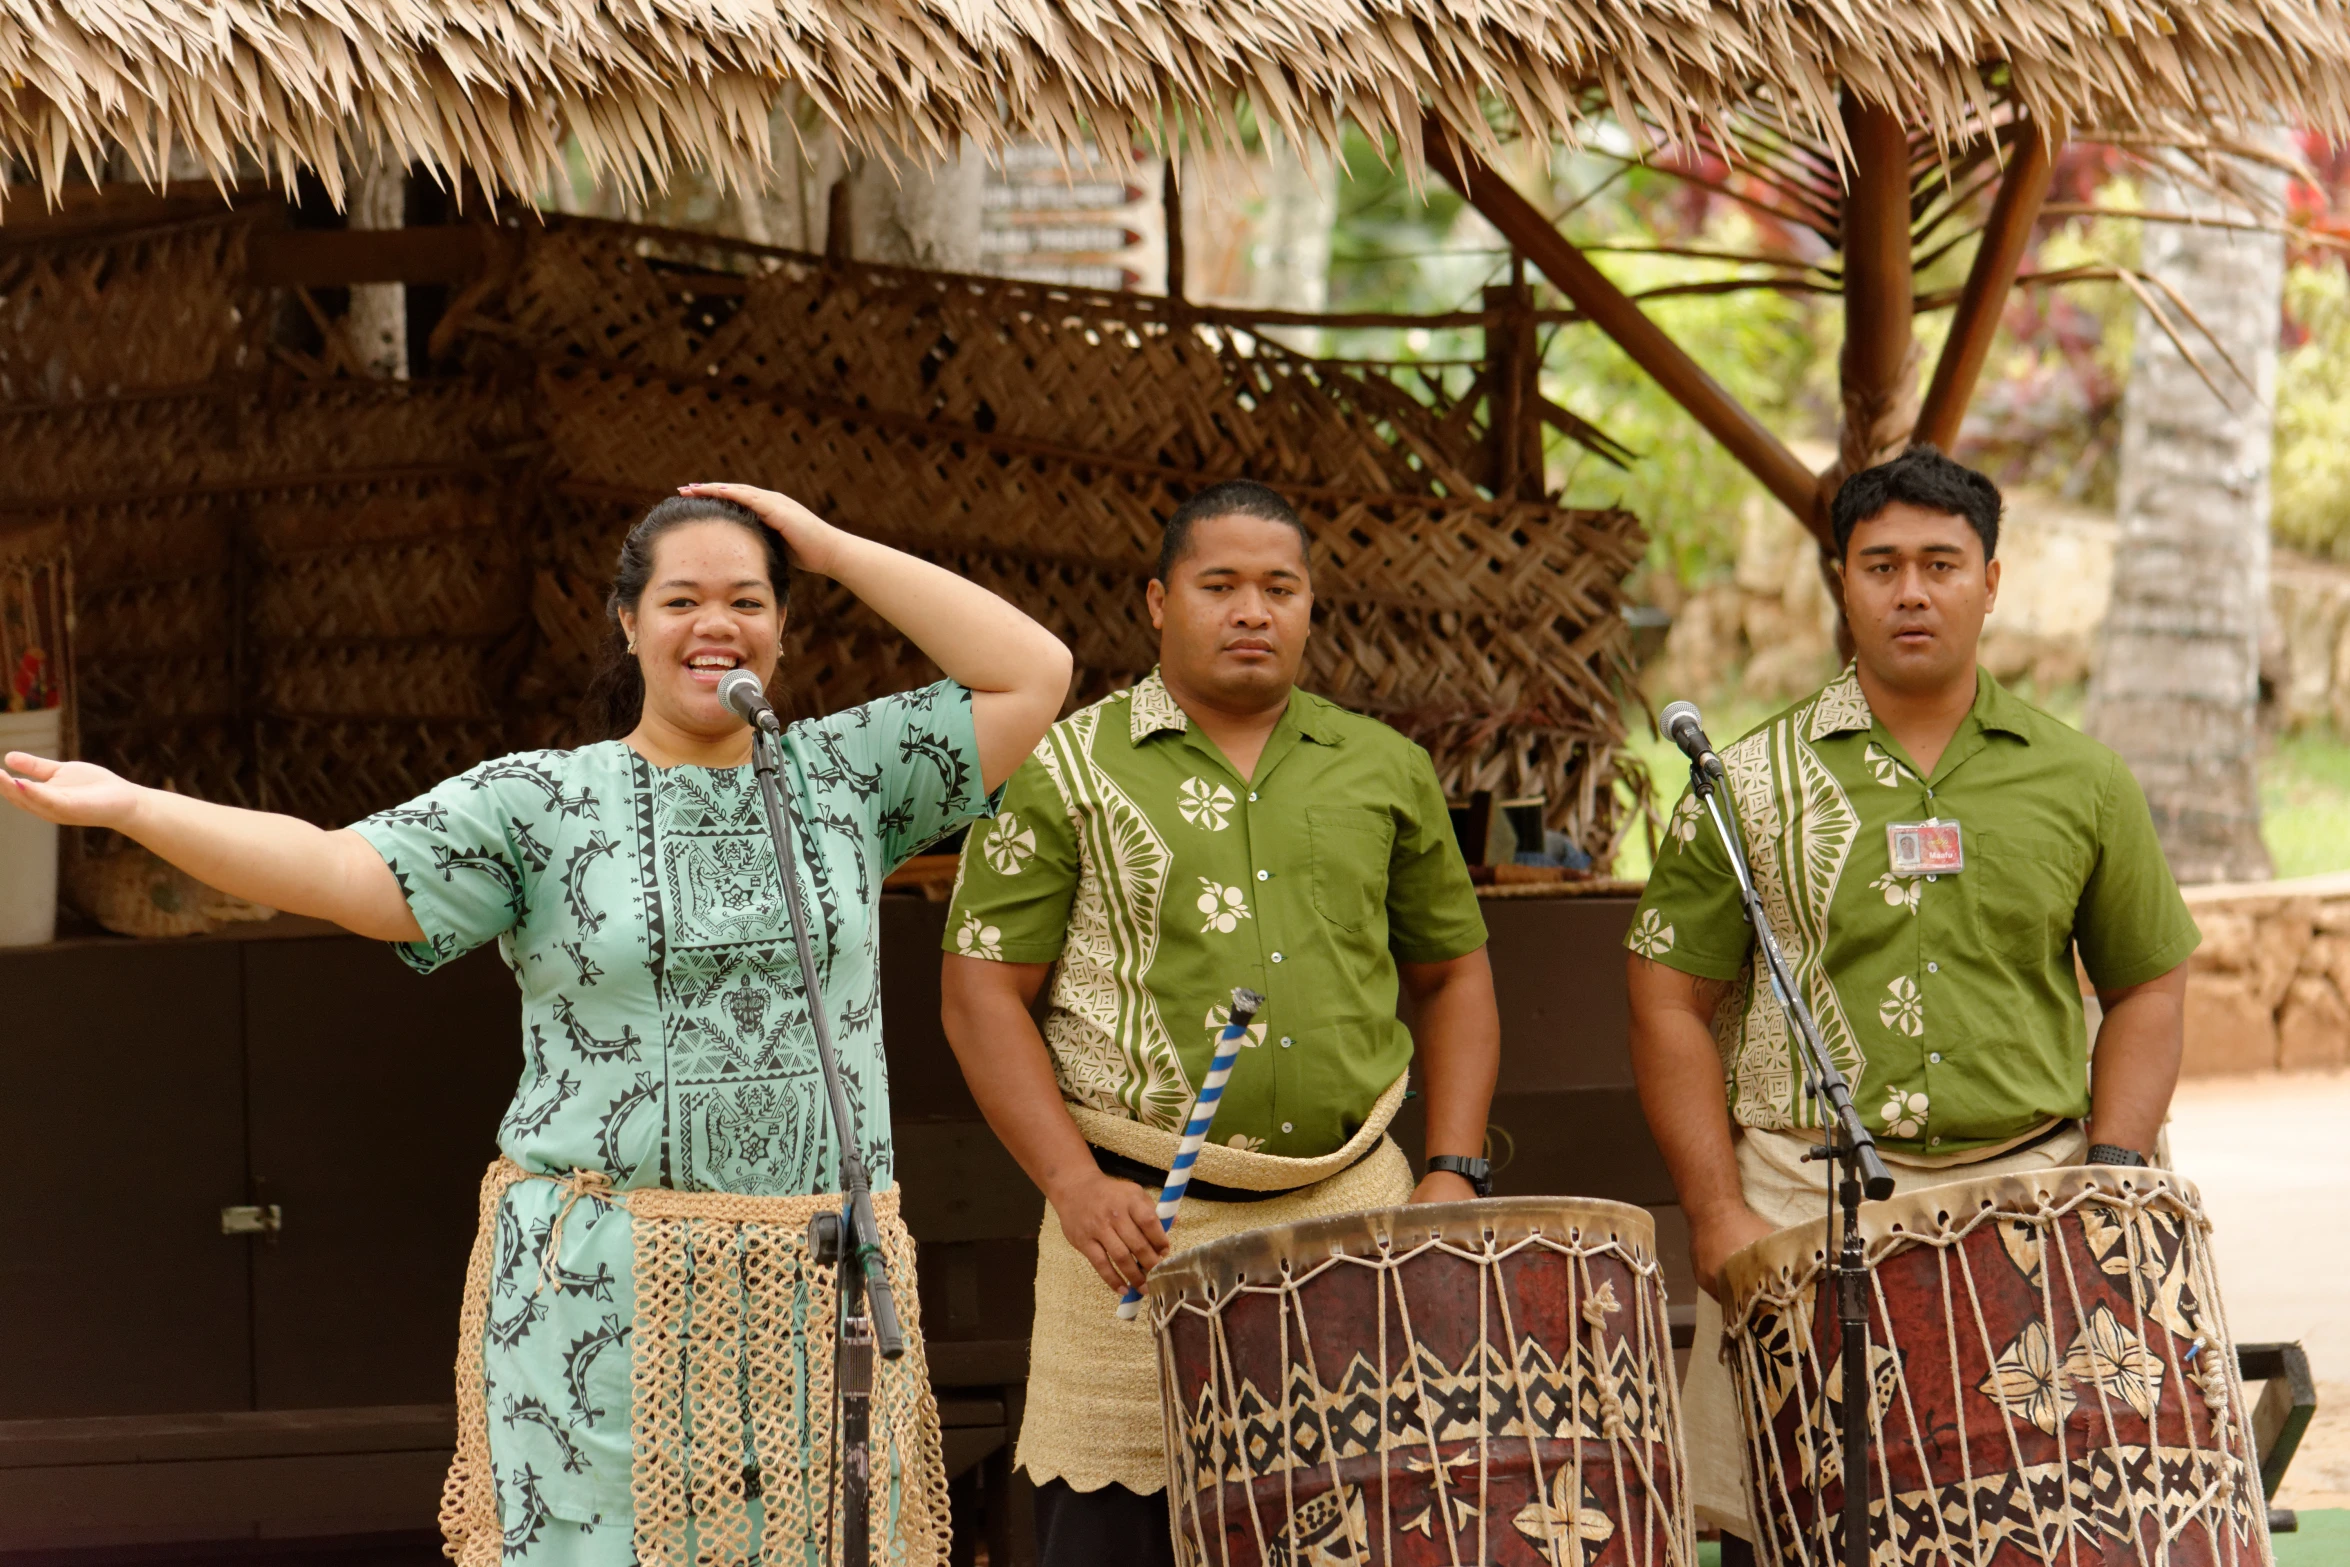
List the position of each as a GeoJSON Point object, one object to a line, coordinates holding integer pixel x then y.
{"type": "Point", "coordinates": [1245, 1005]}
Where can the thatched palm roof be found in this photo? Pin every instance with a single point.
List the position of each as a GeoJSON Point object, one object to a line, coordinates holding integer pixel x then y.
{"type": "Point", "coordinates": [496, 88]}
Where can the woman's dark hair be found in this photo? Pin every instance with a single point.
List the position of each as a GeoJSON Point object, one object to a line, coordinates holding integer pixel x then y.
{"type": "Point", "coordinates": [1926, 479]}
{"type": "Point", "coordinates": [615, 697]}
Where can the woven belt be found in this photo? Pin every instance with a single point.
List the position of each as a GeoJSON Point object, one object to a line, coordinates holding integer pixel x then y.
{"type": "Point", "coordinates": [1142, 1174]}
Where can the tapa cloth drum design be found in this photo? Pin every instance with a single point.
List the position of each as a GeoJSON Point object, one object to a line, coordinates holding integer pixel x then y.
{"type": "Point", "coordinates": [1479, 1382]}
{"type": "Point", "coordinates": [2051, 1380]}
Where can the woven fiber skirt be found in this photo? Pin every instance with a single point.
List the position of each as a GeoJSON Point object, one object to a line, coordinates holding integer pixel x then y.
{"type": "Point", "coordinates": [717, 1374]}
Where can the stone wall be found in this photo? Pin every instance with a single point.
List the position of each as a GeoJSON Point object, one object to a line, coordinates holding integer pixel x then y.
{"type": "Point", "coordinates": [2270, 986]}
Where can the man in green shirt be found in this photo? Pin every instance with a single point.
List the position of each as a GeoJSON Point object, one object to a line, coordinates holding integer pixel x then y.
{"type": "Point", "coordinates": [1212, 827]}
{"type": "Point", "coordinates": [1931, 851]}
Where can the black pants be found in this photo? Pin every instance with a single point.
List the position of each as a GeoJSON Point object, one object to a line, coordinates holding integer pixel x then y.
{"type": "Point", "coordinates": [1111, 1527]}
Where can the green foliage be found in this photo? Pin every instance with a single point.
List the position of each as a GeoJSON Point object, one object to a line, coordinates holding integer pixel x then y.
{"type": "Point", "coordinates": [2047, 412]}
{"type": "Point", "coordinates": [1426, 252]}
{"type": "Point", "coordinates": [2310, 473]}
{"type": "Point", "coordinates": [1775, 353]}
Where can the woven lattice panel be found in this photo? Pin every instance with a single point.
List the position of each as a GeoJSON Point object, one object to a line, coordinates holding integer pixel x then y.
{"type": "Point", "coordinates": [1428, 605]}
{"type": "Point", "coordinates": [323, 594]}
{"type": "Point", "coordinates": [245, 435]}
{"type": "Point", "coordinates": [89, 318]}
{"type": "Point", "coordinates": [1107, 374]}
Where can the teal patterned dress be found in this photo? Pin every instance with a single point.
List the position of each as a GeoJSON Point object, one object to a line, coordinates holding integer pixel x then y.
{"type": "Point", "coordinates": [664, 1038]}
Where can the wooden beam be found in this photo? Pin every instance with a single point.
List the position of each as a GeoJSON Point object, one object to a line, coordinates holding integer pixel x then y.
{"type": "Point", "coordinates": [1724, 417]}
{"type": "Point", "coordinates": [330, 258]}
{"type": "Point", "coordinates": [1171, 204]}
{"type": "Point", "coordinates": [1875, 365]}
{"type": "Point", "coordinates": [2022, 190]}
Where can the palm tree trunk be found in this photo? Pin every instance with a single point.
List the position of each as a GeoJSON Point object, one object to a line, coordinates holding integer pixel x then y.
{"type": "Point", "coordinates": [2176, 687]}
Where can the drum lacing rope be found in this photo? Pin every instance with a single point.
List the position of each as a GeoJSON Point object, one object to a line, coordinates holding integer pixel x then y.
{"type": "Point", "coordinates": [1598, 1306]}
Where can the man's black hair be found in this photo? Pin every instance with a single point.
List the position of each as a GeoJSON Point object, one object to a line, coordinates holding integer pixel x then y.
{"type": "Point", "coordinates": [1228, 498]}
{"type": "Point", "coordinates": [1926, 479]}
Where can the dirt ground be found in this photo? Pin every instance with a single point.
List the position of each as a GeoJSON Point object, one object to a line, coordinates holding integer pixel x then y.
{"type": "Point", "coordinates": [2271, 1155]}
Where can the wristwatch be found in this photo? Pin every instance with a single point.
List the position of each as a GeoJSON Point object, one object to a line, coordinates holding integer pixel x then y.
{"type": "Point", "coordinates": [1477, 1172]}
{"type": "Point", "coordinates": [2108, 1153]}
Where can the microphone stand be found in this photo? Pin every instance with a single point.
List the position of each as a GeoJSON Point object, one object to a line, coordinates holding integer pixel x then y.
{"type": "Point", "coordinates": [868, 1316]}
{"type": "Point", "coordinates": [1863, 1174]}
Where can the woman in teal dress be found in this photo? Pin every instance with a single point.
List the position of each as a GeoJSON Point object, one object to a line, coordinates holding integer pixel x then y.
{"type": "Point", "coordinates": [631, 887]}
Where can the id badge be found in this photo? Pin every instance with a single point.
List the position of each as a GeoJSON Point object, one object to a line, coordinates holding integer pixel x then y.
{"type": "Point", "coordinates": [1931, 848]}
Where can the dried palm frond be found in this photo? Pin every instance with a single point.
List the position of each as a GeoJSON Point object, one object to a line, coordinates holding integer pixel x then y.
{"type": "Point", "coordinates": [653, 86]}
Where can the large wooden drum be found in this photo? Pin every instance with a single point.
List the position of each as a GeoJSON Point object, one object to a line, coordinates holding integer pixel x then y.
{"type": "Point", "coordinates": [2051, 1380]}
{"type": "Point", "coordinates": [1482, 1382]}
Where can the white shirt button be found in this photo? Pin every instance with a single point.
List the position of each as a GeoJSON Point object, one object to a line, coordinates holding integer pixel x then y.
{"type": "Point", "coordinates": [1933, 878]}
{"type": "Point", "coordinates": [1252, 797]}
{"type": "Point", "coordinates": [1933, 1142]}
{"type": "Point", "coordinates": [1935, 1057]}
{"type": "Point", "coordinates": [1286, 1041]}
{"type": "Point", "coordinates": [1276, 957]}
{"type": "Point", "coordinates": [1933, 968]}
{"type": "Point", "coordinates": [1285, 1126]}
{"type": "Point", "coordinates": [1264, 875]}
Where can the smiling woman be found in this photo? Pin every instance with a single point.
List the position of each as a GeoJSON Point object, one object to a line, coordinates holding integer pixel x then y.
{"type": "Point", "coordinates": [670, 1090]}
{"type": "Point", "coordinates": [718, 553]}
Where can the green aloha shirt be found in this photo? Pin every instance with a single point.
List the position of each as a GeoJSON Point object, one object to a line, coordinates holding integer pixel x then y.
{"type": "Point", "coordinates": [1129, 851]}
{"type": "Point", "coordinates": [1949, 1002]}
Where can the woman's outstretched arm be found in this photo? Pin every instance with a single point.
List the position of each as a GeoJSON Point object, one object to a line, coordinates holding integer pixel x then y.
{"type": "Point", "coordinates": [1017, 672]}
{"type": "Point", "coordinates": [276, 861]}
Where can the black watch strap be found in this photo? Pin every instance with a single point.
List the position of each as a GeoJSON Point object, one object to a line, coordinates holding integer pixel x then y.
{"type": "Point", "coordinates": [2109, 1153]}
{"type": "Point", "coordinates": [1477, 1172]}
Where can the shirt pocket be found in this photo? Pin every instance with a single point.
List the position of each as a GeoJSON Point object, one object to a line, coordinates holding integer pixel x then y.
{"type": "Point", "coordinates": [2026, 889]}
{"type": "Point", "coordinates": [1349, 846]}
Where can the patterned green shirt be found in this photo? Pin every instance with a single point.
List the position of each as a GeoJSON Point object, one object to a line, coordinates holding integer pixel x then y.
{"type": "Point", "coordinates": [1950, 1001]}
{"type": "Point", "coordinates": [1132, 853]}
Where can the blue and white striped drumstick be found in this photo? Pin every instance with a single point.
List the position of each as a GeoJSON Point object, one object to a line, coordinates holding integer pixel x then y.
{"type": "Point", "coordinates": [1245, 1006]}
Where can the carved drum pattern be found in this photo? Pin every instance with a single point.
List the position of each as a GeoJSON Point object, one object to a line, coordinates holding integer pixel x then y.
{"type": "Point", "coordinates": [2051, 1380]}
{"type": "Point", "coordinates": [1460, 1383]}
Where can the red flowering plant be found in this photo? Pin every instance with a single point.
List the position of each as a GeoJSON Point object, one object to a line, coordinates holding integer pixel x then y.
{"type": "Point", "coordinates": [31, 685]}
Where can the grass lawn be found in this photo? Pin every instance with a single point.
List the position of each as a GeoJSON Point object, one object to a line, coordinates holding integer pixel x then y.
{"type": "Point", "coordinates": [2304, 788]}
{"type": "Point", "coordinates": [2323, 1540]}
{"type": "Point", "coordinates": [2305, 806]}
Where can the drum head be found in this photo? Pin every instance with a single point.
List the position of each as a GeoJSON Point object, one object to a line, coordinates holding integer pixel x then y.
{"type": "Point", "coordinates": [1800, 1252]}
{"type": "Point", "coordinates": [1260, 1256]}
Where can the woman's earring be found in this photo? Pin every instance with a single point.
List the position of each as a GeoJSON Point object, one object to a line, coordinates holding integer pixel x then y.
{"type": "Point", "coordinates": [632, 647]}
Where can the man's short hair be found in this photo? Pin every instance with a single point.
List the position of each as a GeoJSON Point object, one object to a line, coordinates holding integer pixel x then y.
{"type": "Point", "coordinates": [1228, 498]}
{"type": "Point", "coordinates": [1926, 479]}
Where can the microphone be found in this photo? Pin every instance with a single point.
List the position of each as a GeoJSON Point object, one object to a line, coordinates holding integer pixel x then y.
{"type": "Point", "coordinates": [740, 690]}
{"type": "Point", "coordinates": [1681, 726]}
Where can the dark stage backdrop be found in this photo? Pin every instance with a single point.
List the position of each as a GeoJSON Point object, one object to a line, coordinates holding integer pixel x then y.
{"type": "Point", "coordinates": [163, 1380]}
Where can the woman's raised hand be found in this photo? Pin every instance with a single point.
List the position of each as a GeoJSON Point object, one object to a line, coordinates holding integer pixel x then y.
{"type": "Point", "coordinates": [813, 541]}
{"type": "Point", "coordinates": [72, 794]}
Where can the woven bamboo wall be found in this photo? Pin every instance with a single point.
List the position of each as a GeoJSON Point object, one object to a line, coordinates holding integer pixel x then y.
{"type": "Point", "coordinates": [319, 594]}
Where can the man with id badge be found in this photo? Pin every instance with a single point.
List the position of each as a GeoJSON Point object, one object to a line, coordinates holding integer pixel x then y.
{"type": "Point", "coordinates": [1931, 850]}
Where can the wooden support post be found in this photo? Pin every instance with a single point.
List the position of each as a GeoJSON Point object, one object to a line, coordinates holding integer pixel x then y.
{"type": "Point", "coordinates": [1171, 203]}
{"type": "Point", "coordinates": [1724, 417]}
{"type": "Point", "coordinates": [1513, 393]}
{"type": "Point", "coordinates": [1878, 367]}
{"type": "Point", "coordinates": [1984, 299]}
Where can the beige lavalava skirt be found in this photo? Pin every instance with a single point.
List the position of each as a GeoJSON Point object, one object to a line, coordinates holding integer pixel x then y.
{"type": "Point", "coordinates": [1093, 1415]}
{"type": "Point", "coordinates": [723, 1284]}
